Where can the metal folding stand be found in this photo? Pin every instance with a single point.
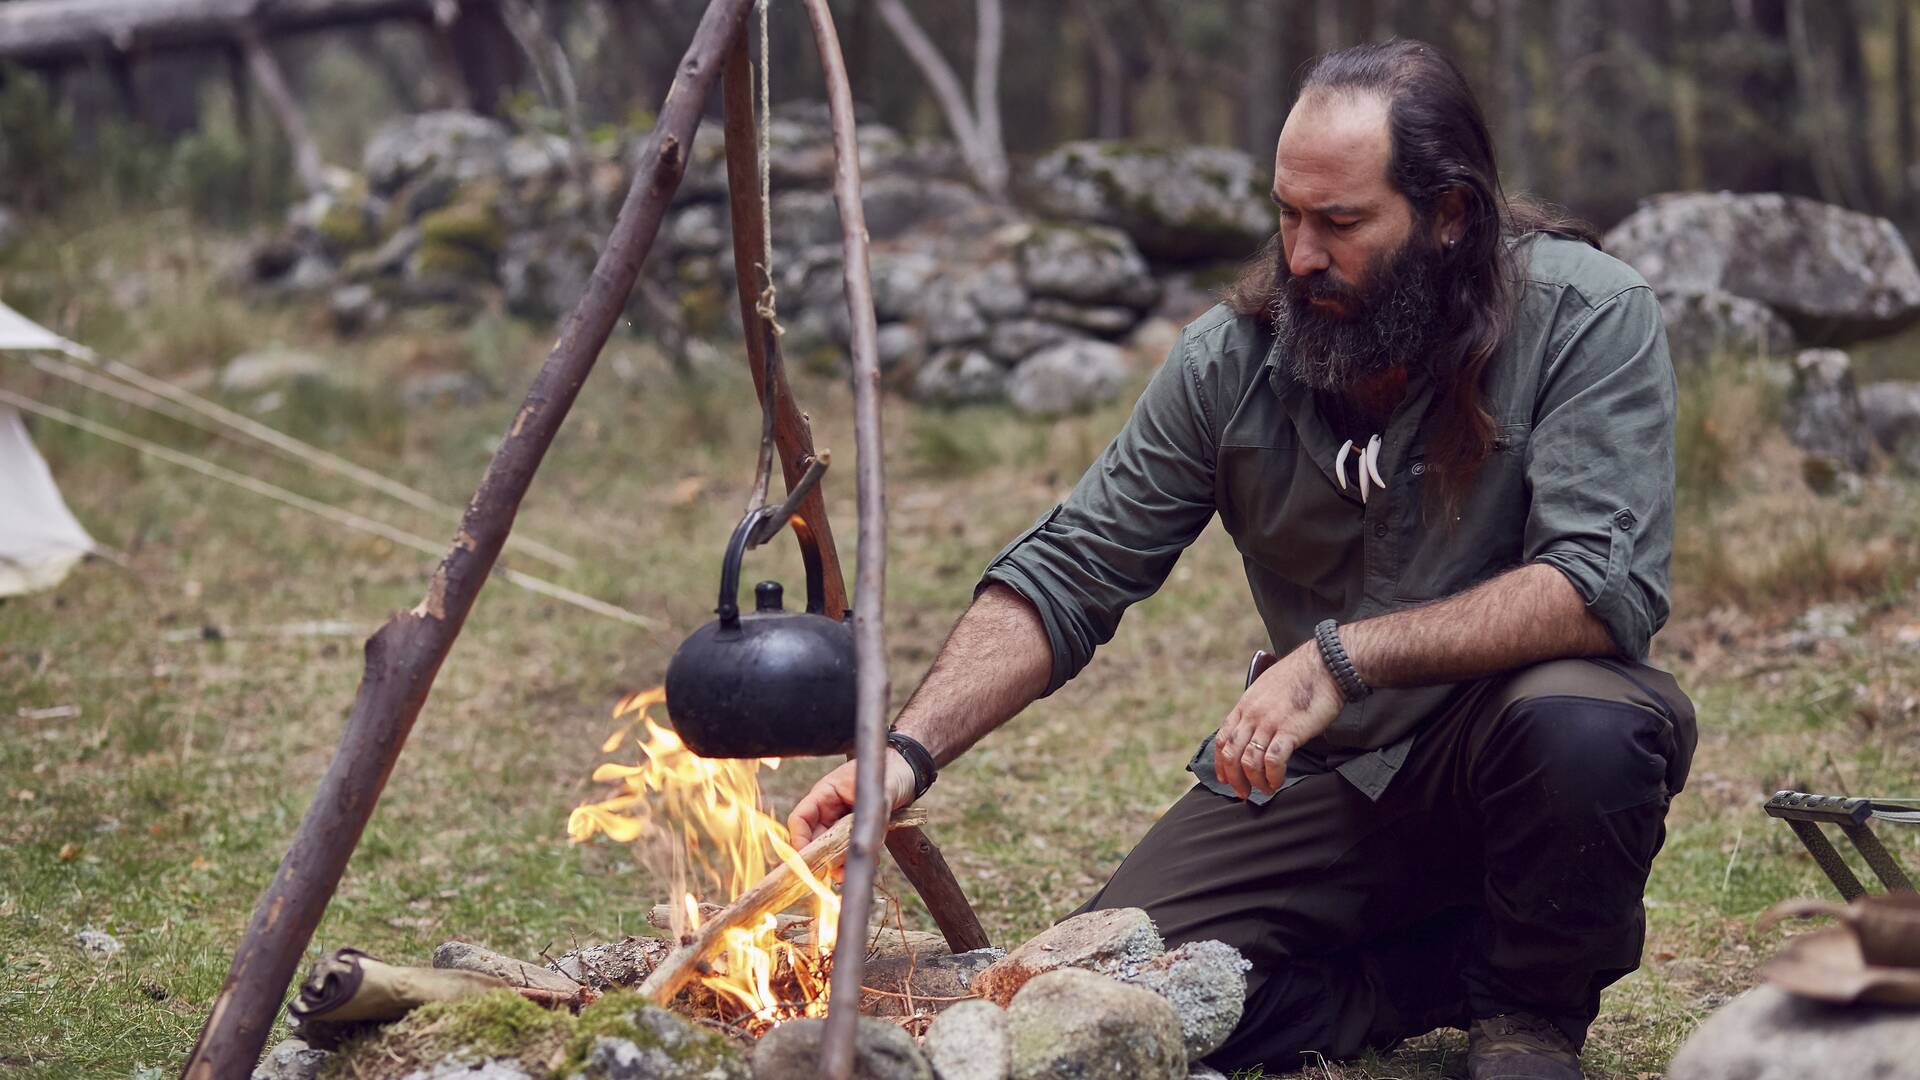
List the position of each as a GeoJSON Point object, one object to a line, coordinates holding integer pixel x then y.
{"type": "Point", "coordinates": [1805, 813]}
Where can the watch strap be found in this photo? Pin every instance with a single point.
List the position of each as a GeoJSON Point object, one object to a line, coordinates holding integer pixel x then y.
{"type": "Point", "coordinates": [918, 758]}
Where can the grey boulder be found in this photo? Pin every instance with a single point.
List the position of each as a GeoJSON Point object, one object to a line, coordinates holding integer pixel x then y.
{"type": "Point", "coordinates": [1836, 275]}
{"type": "Point", "coordinates": [1016, 339]}
{"type": "Point", "coordinates": [664, 1047]}
{"type": "Point", "coordinates": [1177, 203]}
{"type": "Point", "coordinates": [1113, 941]}
{"type": "Point", "coordinates": [960, 377]}
{"type": "Point", "coordinates": [1702, 326]}
{"type": "Point", "coordinates": [1206, 983]}
{"type": "Point", "coordinates": [969, 1041]}
{"type": "Point", "coordinates": [1071, 1024]}
{"type": "Point", "coordinates": [881, 1051]}
{"type": "Point", "coordinates": [454, 145]}
{"type": "Point", "coordinates": [1769, 1034]}
{"type": "Point", "coordinates": [1087, 264]}
{"type": "Point", "coordinates": [1892, 413]}
{"type": "Point", "coordinates": [290, 1059]}
{"type": "Point", "coordinates": [1824, 416]}
{"type": "Point", "coordinates": [935, 981]}
{"type": "Point", "coordinates": [1068, 378]}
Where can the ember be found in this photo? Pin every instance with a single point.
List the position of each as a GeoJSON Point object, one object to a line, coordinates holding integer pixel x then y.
{"type": "Point", "coordinates": [699, 823]}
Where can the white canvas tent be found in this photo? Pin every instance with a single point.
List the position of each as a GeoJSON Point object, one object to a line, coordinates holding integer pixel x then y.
{"type": "Point", "coordinates": [40, 539]}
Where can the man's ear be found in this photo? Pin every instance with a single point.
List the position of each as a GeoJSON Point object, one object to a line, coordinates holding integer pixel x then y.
{"type": "Point", "coordinates": [1449, 218]}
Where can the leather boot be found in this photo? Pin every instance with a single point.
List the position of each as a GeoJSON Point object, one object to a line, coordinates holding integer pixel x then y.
{"type": "Point", "coordinates": [1520, 1046]}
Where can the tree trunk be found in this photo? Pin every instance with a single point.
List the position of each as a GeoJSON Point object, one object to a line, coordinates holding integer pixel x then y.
{"type": "Point", "coordinates": [1907, 178]}
{"type": "Point", "coordinates": [266, 74]}
{"type": "Point", "coordinates": [1515, 95]}
{"type": "Point", "coordinates": [1269, 78]}
{"type": "Point", "coordinates": [489, 60]}
{"type": "Point", "coordinates": [63, 32]}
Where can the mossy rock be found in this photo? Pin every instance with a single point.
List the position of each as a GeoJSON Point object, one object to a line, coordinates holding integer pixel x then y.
{"type": "Point", "coordinates": [345, 227]}
{"type": "Point", "coordinates": [624, 1030]}
{"type": "Point", "coordinates": [469, 224]}
{"type": "Point", "coordinates": [500, 1024]}
{"type": "Point", "coordinates": [440, 260]}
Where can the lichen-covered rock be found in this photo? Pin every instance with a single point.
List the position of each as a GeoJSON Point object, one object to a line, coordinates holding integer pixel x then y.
{"type": "Point", "coordinates": [881, 1051]}
{"type": "Point", "coordinates": [623, 1038]}
{"type": "Point", "coordinates": [1824, 416]}
{"type": "Point", "coordinates": [1088, 264]}
{"type": "Point", "coordinates": [291, 1059]}
{"type": "Point", "coordinates": [1835, 275]}
{"type": "Point", "coordinates": [1177, 203]}
{"type": "Point", "coordinates": [1105, 320]}
{"type": "Point", "coordinates": [353, 308]}
{"type": "Point", "coordinates": [1068, 378]}
{"type": "Point", "coordinates": [701, 229]}
{"type": "Point", "coordinates": [969, 1041]}
{"type": "Point", "coordinates": [1892, 413]}
{"type": "Point", "coordinates": [960, 377]}
{"type": "Point", "coordinates": [544, 274]}
{"type": "Point", "coordinates": [1112, 941]}
{"type": "Point", "coordinates": [498, 1030]}
{"type": "Point", "coordinates": [898, 344]}
{"type": "Point", "coordinates": [1016, 339]}
{"type": "Point", "coordinates": [472, 224]}
{"type": "Point", "coordinates": [1702, 326]}
{"type": "Point", "coordinates": [899, 280]}
{"type": "Point", "coordinates": [1071, 1024]}
{"type": "Point", "coordinates": [896, 204]}
{"type": "Point", "coordinates": [1769, 1034]}
{"type": "Point", "coordinates": [1206, 983]}
{"type": "Point", "coordinates": [457, 145]}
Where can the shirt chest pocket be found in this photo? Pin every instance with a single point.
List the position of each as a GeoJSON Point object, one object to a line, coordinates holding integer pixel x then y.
{"type": "Point", "coordinates": [1442, 557]}
{"type": "Point", "coordinates": [1283, 515]}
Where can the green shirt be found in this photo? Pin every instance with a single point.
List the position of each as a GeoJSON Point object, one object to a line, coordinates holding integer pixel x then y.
{"type": "Point", "coordinates": [1580, 478]}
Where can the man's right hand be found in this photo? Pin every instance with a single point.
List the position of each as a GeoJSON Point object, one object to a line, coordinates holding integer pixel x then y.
{"type": "Point", "coordinates": [832, 797]}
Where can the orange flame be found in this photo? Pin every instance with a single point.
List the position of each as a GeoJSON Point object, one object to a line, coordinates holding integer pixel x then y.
{"type": "Point", "coordinates": [705, 817]}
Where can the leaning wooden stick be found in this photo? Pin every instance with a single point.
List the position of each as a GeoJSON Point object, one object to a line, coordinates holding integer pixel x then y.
{"type": "Point", "coordinates": [781, 888]}
{"type": "Point", "coordinates": [870, 571]}
{"type": "Point", "coordinates": [403, 657]}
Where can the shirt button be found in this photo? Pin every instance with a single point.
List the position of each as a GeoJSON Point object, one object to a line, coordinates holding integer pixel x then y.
{"type": "Point", "coordinates": [1380, 530]}
{"type": "Point", "coordinates": [1624, 519]}
{"type": "Point", "coordinates": [1419, 468]}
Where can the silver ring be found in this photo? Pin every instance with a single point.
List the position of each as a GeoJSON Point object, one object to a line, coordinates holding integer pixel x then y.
{"type": "Point", "coordinates": [1256, 745]}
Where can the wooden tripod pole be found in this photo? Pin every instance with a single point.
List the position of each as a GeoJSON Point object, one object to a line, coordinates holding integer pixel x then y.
{"type": "Point", "coordinates": [915, 852]}
{"type": "Point", "coordinates": [404, 655]}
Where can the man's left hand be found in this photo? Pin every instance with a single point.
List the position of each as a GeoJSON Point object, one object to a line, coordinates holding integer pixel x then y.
{"type": "Point", "coordinates": [1293, 701]}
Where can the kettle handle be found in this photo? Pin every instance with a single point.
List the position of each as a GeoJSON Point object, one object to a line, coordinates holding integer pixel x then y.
{"type": "Point", "coordinates": [737, 544]}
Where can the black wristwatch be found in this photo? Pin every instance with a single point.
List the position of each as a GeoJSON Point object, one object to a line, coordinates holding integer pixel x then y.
{"type": "Point", "coordinates": [1327, 636]}
{"type": "Point", "coordinates": [919, 759]}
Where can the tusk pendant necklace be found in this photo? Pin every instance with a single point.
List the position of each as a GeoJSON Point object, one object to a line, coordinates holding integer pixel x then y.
{"type": "Point", "coordinates": [1366, 467]}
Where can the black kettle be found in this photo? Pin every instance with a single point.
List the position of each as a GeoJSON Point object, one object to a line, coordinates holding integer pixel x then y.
{"type": "Point", "coordinates": [772, 682]}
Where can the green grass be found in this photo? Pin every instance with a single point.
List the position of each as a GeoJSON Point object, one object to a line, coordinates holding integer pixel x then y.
{"type": "Point", "coordinates": [158, 813]}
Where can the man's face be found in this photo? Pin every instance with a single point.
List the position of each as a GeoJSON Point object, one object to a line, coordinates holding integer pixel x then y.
{"type": "Point", "coordinates": [1358, 278]}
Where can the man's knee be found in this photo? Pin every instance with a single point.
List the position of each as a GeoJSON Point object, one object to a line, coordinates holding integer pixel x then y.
{"type": "Point", "coordinates": [1564, 736]}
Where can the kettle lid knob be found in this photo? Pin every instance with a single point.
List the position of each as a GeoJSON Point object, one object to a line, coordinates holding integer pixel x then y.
{"type": "Point", "coordinates": [767, 596]}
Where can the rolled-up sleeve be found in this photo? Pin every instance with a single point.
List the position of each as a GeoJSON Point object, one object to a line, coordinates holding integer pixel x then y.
{"type": "Point", "coordinates": [1115, 538]}
{"type": "Point", "coordinates": [1600, 467]}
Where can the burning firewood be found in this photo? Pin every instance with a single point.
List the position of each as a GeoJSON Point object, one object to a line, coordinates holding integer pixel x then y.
{"type": "Point", "coordinates": [780, 888]}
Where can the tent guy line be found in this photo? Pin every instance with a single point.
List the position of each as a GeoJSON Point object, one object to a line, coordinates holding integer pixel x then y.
{"type": "Point", "coordinates": [232, 422]}
{"type": "Point", "coordinates": [346, 518]}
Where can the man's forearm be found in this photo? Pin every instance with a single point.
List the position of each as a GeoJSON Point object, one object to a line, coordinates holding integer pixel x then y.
{"type": "Point", "coordinates": [995, 663]}
{"type": "Point", "coordinates": [1524, 616]}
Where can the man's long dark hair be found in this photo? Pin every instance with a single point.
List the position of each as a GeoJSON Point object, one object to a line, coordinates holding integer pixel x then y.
{"type": "Point", "coordinates": [1438, 143]}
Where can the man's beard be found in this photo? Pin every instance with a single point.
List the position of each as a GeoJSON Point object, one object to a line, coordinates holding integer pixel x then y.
{"type": "Point", "coordinates": [1393, 320]}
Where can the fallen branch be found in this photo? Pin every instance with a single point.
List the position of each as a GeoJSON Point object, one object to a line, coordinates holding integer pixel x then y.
{"type": "Point", "coordinates": [779, 889]}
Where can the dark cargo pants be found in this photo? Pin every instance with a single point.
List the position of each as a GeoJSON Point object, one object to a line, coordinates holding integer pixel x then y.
{"type": "Point", "coordinates": [1501, 871]}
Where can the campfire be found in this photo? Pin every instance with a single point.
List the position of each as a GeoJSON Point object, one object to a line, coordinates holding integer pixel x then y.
{"type": "Point", "coordinates": [700, 824]}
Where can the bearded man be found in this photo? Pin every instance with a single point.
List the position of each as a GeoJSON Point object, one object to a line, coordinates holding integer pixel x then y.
{"type": "Point", "coordinates": [1438, 424]}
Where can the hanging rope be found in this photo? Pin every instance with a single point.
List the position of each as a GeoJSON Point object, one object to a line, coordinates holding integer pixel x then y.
{"type": "Point", "coordinates": [338, 516]}
{"type": "Point", "coordinates": [227, 422]}
{"type": "Point", "coordinates": [767, 305]}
